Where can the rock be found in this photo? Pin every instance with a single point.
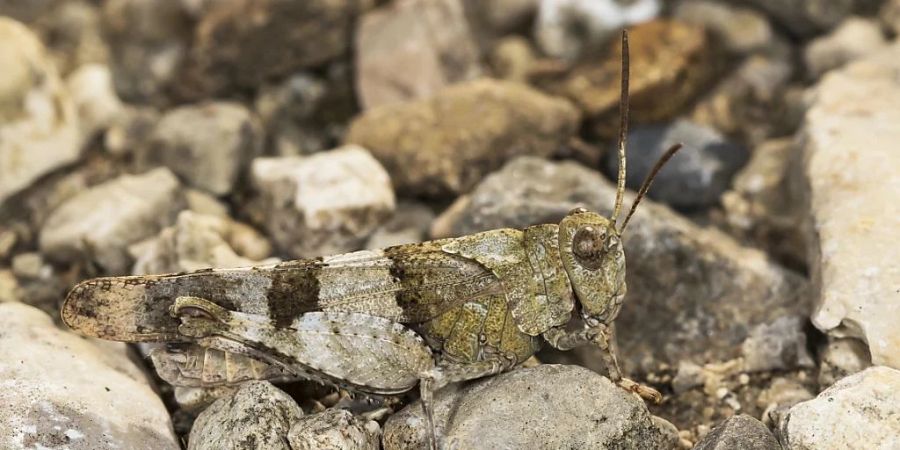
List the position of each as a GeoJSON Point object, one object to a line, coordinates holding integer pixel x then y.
{"type": "Point", "coordinates": [572, 28]}
{"type": "Point", "coordinates": [9, 286]}
{"type": "Point", "coordinates": [544, 407]}
{"type": "Point", "coordinates": [840, 358]}
{"type": "Point", "coordinates": [499, 17]}
{"type": "Point", "coordinates": [60, 390]}
{"type": "Point", "coordinates": [8, 240]}
{"type": "Point", "coordinates": [194, 242]}
{"type": "Point", "coordinates": [740, 432]}
{"type": "Point", "coordinates": [100, 223]}
{"type": "Point", "coordinates": [258, 416]}
{"type": "Point", "coordinates": [513, 59]}
{"type": "Point", "coordinates": [148, 41]}
{"type": "Point", "coordinates": [890, 15]}
{"type": "Point", "coordinates": [334, 429]}
{"type": "Point", "coordinates": [430, 39]}
{"type": "Point", "coordinates": [779, 345]}
{"type": "Point", "coordinates": [73, 32]}
{"type": "Point", "coordinates": [30, 265]}
{"type": "Point", "coordinates": [669, 60]}
{"type": "Point", "coordinates": [859, 411]}
{"type": "Point", "coordinates": [323, 204]}
{"type": "Point", "coordinates": [854, 38]}
{"type": "Point", "coordinates": [95, 99]}
{"type": "Point", "coordinates": [202, 203]}
{"type": "Point", "coordinates": [739, 30]}
{"type": "Point", "coordinates": [693, 293]}
{"type": "Point", "coordinates": [850, 168]}
{"type": "Point", "coordinates": [240, 44]}
{"type": "Point", "coordinates": [410, 223]}
{"type": "Point", "coordinates": [805, 17]}
{"type": "Point", "coordinates": [441, 147]}
{"type": "Point", "coordinates": [38, 123]}
{"type": "Point", "coordinates": [781, 394]}
{"type": "Point", "coordinates": [693, 179]}
{"type": "Point", "coordinates": [27, 12]}
{"type": "Point", "coordinates": [208, 144]}
{"type": "Point", "coordinates": [130, 130]}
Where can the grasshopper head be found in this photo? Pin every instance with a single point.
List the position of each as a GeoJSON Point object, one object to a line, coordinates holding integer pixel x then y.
{"type": "Point", "coordinates": [591, 252]}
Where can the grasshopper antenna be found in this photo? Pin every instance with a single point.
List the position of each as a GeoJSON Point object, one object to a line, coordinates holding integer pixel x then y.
{"type": "Point", "coordinates": [623, 129]}
{"type": "Point", "coordinates": [645, 186]}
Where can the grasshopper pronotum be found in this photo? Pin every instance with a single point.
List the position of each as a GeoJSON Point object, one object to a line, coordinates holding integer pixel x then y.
{"type": "Point", "coordinates": [383, 321]}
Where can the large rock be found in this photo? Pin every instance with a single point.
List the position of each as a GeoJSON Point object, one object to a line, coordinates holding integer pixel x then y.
{"type": "Point", "coordinates": [851, 169]}
{"type": "Point", "coordinates": [853, 39]}
{"type": "Point", "coordinates": [258, 416]}
{"type": "Point", "coordinates": [207, 144]}
{"type": "Point", "coordinates": [544, 407]}
{"type": "Point", "coordinates": [322, 204]}
{"type": "Point", "coordinates": [740, 432]}
{"type": "Point", "coordinates": [99, 224]}
{"type": "Point", "coordinates": [693, 293]}
{"type": "Point", "coordinates": [334, 429]}
{"type": "Point", "coordinates": [859, 411]}
{"type": "Point", "coordinates": [740, 30]}
{"type": "Point", "coordinates": [62, 391]}
{"type": "Point", "coordinates": [38, 122]}
{"type": "Point", "coordinates": [429, 39]}
{"type": "Point", "coordinates": [840, 358]}
{"type": "Point", "coordinates": [805, 17]}
{"type": "Point", "coordinates": [442, 146]}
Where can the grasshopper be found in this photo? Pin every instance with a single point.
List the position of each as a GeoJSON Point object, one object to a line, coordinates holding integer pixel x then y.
{"type": "Point", "coordinates": [381, 322]}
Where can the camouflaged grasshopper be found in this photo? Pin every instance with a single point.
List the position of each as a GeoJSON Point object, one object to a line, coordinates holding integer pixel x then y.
{"type": "Point", "coordinates": [381, 322]}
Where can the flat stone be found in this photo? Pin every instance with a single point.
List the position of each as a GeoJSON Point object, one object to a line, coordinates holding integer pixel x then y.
{"type": "Point", "coordinates": [859, 411]}
{"type": "Point", "coordinates": [851, 170]}
{"type": "Point", "coordinates": [438, 50]}
{"type": "Point", "coordinates": [334, 429]}
{"type": "Point", "coordinates": [440, 147]}
{"type": "Point", "coordinates": [63, 391]}
{"type": "Point", "coordinates": [740, 432]}
{"type": "Point", "coordinates": [322, 204]}
{"type": "Point", "coordinates": [854, 38]}
{"type": "Point", "coordinates": [38, 122]}
{"type": "Point", "coordinates": [545, 407]}
{"type": "Point", "coordinates": [100, 223]}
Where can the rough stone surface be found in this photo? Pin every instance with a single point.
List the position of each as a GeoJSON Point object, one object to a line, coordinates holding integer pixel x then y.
{"type": "Point", "coordinates": [130, 130]}
{"type": "Point", "coordinates": [443, 146]}
{"type": "Point", "coordinates": [38, 122]}
{"type": "Point", "coordinates": [693, 293]}
{"type": "Point", "coordinates": [571, 28]}
{"type": "Point", "coordinates": [694, 178]}
{"type": "Point", "coordinates": [805, 17]}
{"type": "Point", "coordinates": [207, 144]}
{"type": "Point", "coordinates": [890, 15]}
{"type": "Point", "coordinates": [851, 170]}
{"type": "Point", "coordinates": [410, 223]}
{"type": "Point", "coordinates": [96, 102]}
{"type": "Point", "coordinates": [859, 411]}
{"type": "Point", "coordinates": [437, 50]}
{"type": "Point", "coordinates": [544, 407]}
{"type": "Point", "coordinates": [62, 391]}
{"type": "Point", "coordinates": [73, 32]}
{"type": "Point", "coordinates": [854, 38]}
{"type": "Point", "coordinates": [740, 432]}
{"type": "Point", "coordinates": [258, 416]}
{"type": "Point", "coordinates": [513, 59]}
{"type": "Point", "coordinates": [101, 222]}
{"type": "Point", "coordinates": [334, 429]}
{"type": "Point", "coordinates": [840, 358]}
{"type": "Point", "coordinates": [323, 204]}
{"type": "Point", "coordinates": [779, 345]}
{"type": "Point", "coordinates": [740, 30]}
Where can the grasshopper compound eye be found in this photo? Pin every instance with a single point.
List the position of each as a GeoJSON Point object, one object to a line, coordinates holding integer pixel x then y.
{"type": "Point", "coordinates": [589, 246]}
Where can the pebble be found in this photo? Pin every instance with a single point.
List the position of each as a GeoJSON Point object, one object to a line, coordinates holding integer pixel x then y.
{"type": "Point", "coordinates": [130, 130]}
{"type": "Point", "coordinates": [64, 391]}
{"type": "Point", "coordinates": [39, 129]}
{"type": "Point", "coordinates": [805, 17]}
{"type": "Point", "coordinates": [741, 432]}
{"type": "Point", "coordinates": [850, 169]}
{"type": "Point", "coordinates": [208, 145]}
{"type": "Point", "coordinates": [842, 357]}
{"type": "Point", "coordinates": [737, 29]}
{"type": "Point", "coordinates": [778, 345]}
{"type": "Point", "coordinates": [410, 223]}
{"type": "Point", "coordinates": [9, 286]}
{"type": "Point", "coordinates": [439, 148]}
{"type": "Point", "coordinates": [859, 411]}
{"type": "Point", "coordinates": [545, 407]}
{"type": "Point", "coordinates": [257, 416]}
{"type": "Point", "coordinates": [438, 50]}
{"type": "Point", "coordinates": [693, 179]}
{"type": "Point", "coordinates": [96, 102]}
{"type": "Point", "coordinates": [323, 204]}
{"type": "Point", "coordinates": [334, 429]}
{"type": "Point", "coordinates": [73, 33]}
{"type": "Point", "coordinates": [854, 38]}
{"type": "Point", "coordinates": [513, 59]}
{"type": "Point", "coordinates": [569, 29]}
{"type": "Point", "coordinates": [100, 223]}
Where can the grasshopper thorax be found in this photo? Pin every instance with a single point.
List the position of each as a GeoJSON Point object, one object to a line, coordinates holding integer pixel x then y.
{"type": "Point", "coordinates": [592, 255]}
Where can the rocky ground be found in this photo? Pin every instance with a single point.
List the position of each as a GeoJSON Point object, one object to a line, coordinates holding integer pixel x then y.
{"type": "Point", "coordinates": [147, 136]}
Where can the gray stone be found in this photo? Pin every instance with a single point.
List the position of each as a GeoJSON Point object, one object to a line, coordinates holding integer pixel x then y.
{"type": "Point", "coordinates": [101, 222]}
{"type": "Point", "coordinates": [544, 407]}
{"type": "Point", "coordinates": [850, 171]}
{"type": "Point", "coordinates": [859, 411]}
{"type": "Point", "coordinates": [208, 144]}
{"type": "Point", "coordinates": [693, 293]}
{"type": "Point", "coordinates": [778, 345]}
{"type": "Point", "coordinates": [130, 130]}
{"type": "Point", "coordinates": [805, 17]}
{"type": "Point", "coordinates": [257, 416]}
{"type": "Point", "coordinates": [437, 50]}
{"type": "Point", "coordinates": [96, 102]}
{"type": "Point", "coordinates": [439, 148]}
{"type": "Point", "coordinates": [410, 223]}
{"type": "Point", "coordinates": [323, 204]}
{"type": "Point", "coordinates": [854, 38]}
{"type": "Point", "coordinates": [73, 33]}
{"type": "Point", "coordinates": [737, 29]}
{"type": "Point", "coordinates": [334, 429]}
{"type": "Point", "coordinates": [842, 357]}
{"type": "Point", "coordinates": [38, 122]}
{"type": "Point", "coordinates": [694, 178]}
{"type": "Point", "coordinates": [740, 432]}
{"type": "Point", "coordinates": [64, 391]}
